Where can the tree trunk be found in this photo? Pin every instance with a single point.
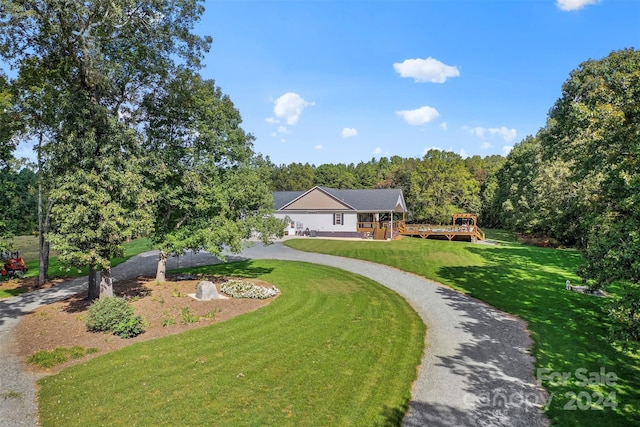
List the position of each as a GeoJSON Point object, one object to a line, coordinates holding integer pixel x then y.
{"type": "Point", "coordinates": [162, 267]}
{"type": "Point", "coordinates": [44, 225]}
{"type": "Point", "coordinates": [106, 283]}
{"type": "Point", "coordinates": [94, 291]}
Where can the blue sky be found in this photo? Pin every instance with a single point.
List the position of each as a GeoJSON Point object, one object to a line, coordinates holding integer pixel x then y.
{"type": "Point", "coordinates": [346, 81]}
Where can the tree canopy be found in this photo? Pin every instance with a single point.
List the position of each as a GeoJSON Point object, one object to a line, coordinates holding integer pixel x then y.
{"type": "Point", "coordinates": [207, 194]}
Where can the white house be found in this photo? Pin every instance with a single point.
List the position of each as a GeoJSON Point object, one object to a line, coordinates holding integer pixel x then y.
{"type": "Point", "coordinates": [327, 212]}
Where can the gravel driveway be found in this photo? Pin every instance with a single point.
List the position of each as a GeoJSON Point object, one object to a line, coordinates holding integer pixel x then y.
{"type": "Point", "coordinates": [476, 370]}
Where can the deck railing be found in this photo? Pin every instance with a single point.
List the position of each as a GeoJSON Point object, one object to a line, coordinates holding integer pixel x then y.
{"type": "Point", "coordinates": [426, 230]}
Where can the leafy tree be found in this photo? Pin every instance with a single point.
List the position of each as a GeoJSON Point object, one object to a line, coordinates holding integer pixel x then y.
{"type": "Point", "coordinates": [208, 195]}
{"type": "Point", "coordinates": [517, 198]}
{"type": "Point", "coordinates": [367, 174]}
{"type": "Point", "coordinates": [595, 126]}
{"type": "Point", "coordinates": [335, 176]}
{"type": "Point", "coordinates": [9, 127]}
{"type": "Point", "coordinates": [98, 210]}
{"type": "Point", "coordinates": [440, 187]}
{"type": "Point", "coordinates": [484, 171]}
{"type": "Point", "coordinates": [294, 177]}
{"type": "Point", "coordinates": [94, 61]}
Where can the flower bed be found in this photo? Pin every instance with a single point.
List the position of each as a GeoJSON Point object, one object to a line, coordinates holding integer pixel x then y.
{"type": "Point", "coordinates": [239, 289]}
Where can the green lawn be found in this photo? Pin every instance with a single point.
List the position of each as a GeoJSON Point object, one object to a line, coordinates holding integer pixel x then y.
{"type": "Point", "coordinates": [569, 329]}
{"type": "Point", "coordinates": [28, 247]}
{"type": "Point", "coordinates": [334, 349]}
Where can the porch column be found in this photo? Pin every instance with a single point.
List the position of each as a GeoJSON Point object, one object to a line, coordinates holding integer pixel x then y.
{"type": "Point", "coordinates": [391, 225]}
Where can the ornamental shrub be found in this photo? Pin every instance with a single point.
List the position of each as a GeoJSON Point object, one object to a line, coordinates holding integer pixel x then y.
{"type": "Point", "coordinates": [129, 328]}
{"type": "Point", "coordinates": [114, 314]}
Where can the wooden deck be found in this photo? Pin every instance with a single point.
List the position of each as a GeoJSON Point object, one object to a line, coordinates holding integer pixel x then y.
{"type": "Point", "coordinates": [450, 232]}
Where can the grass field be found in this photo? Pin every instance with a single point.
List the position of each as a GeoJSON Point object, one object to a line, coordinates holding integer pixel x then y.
{"type": "Point", "coordinates": [334, 349]}
{"type": "Point", "coordinates": [28, 248]}
{"type": "Point", "coordinates": [569, 329]}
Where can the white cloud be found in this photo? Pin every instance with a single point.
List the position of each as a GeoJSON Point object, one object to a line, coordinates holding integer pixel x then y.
{"type": "Point", "coordinates": [569, 5]}
{"type": "Point", "coordinates": [463, 153]}
{"type": "Point", "coordinates": [507, 149]}
{"type": "Point", "coordinates": [318, 147]}
{"type": "Point", "coordinates": [419, 116]}
{"type": "Point", "coordinates": [477, 131]}
{"type": "Point", "coordinates": [282, 129]}
{"type": "Point", "coordinates": [505, 133]}
{"type": "Point", "coordinates": [377, 151]}
{"type": "Point", "coordinates": [348, 132]}
{"type": "Point", "coordinates": [426, 70]}
{"type": "Point", "coordinates": [274, 134]}
{"type": "Point", "coordinates": [283, 140]}
{"type": "Point", "coordinates": [271, 120]}
{"type": "Point", "coordinates": [486, 145]}
{"type": "Point", "coordinates": [444, 125]}
{"type": "Point", "coordinates": [289, 107]}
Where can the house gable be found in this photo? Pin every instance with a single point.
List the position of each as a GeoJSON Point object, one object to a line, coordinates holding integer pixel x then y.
{"type": "Point", "coordinates": [316, 200]}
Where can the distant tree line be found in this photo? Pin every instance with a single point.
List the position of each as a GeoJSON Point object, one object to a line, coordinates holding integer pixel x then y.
{"type": "Point", "coordinates": [435, 186]}
{"type": "Point", "coordinates": [18, 204]}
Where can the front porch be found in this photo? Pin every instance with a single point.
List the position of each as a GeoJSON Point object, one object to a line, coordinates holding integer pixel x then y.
{"type": "Point", "coordinates": [380, 225]}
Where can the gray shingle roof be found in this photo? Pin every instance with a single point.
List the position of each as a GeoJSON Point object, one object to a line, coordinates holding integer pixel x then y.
{"type": "Point", "coordinates": [383, 199]}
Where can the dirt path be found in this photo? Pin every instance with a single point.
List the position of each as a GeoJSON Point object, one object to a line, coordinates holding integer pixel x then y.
{"type": "Point", "coordinates": [476, 370]}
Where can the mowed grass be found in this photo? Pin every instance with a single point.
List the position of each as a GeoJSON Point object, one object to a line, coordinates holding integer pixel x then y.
{"type": "Point", "coordinates": [569, 329]}
{"type": "Point", "coordinates": [334, 349]}
{"type": "Point", "coordinates": [28, 248]}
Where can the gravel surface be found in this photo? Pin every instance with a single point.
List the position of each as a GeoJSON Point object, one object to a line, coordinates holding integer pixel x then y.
{"type": "Point", "coordinates": [476, 370]}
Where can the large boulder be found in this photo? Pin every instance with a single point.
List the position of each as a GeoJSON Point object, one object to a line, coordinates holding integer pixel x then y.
{"type": "Point", "coordinates": [207, 291]}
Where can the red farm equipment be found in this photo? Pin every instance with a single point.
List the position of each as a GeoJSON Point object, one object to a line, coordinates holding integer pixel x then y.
{"type": "Point", "coordinates": [14, 265]}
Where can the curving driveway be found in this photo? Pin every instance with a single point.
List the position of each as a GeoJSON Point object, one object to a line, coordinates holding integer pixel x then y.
{"type": "Point", "coordinates": [476, 370]}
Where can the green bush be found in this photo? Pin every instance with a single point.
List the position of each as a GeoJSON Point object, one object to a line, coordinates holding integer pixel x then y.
{"type": "Point", "coordinates": [129, 328]}
{"type": "Point", "coordinates": [114, 315]}
{"type": "Point", "coordinates": [106, 313]}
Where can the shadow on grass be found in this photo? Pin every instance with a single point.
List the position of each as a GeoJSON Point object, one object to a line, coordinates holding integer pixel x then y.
{"type": "Point", "coordinates": [569, 329]}
{"type": "Point", "coordinates": [393, 416]}
{"type": "Point", "coordinates": [6, 293]}
{"type": "Point", "coordinates": [236, 266]}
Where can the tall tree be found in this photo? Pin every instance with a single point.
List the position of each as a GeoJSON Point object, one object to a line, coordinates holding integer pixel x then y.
{"type": "Point", "coordinates": [294, 177]}
{"type": "Point", "coordinates": [9, 127]}
{"type": "Point", "coordinates": [517, 197]}
{"type": "Point", "coordinates": [440, 187]}
{"type": "Point", "coordinates": [595, 125]}
{"type": "Point", "coordinates": [208, 195]}
{"type": "Point", "coordinates": [97, 210]}
{"type": "Point", "coordinates": [100, 57]}
{"type": "Point", "coordinates": [335, 176]}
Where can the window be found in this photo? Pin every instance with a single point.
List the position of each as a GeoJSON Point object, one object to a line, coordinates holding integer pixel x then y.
{"type": "Point", "coordinates": [337, 219]}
